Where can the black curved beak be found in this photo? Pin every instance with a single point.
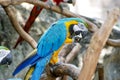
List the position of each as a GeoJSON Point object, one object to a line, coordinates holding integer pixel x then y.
{"type": "Point", "coordinates": [77, 38]}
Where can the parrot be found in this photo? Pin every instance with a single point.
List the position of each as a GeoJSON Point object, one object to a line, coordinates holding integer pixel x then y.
{"type": "Point", "coordinates": [34, 13]}
{"type": "Point", "coordinates": [5, 56]}
{"type": "Point", "coordinates": [49, 45]}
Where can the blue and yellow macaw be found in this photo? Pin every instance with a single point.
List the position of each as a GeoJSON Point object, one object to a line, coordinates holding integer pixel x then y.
{"type": "Point", "coordinates": [50, 44]}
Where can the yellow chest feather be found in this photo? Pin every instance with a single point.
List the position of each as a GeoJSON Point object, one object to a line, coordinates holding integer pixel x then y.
{"type": "Point", "coordinates": [54, 58]}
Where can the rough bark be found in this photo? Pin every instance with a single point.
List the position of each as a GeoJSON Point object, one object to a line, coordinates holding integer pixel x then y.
{"type": "Point", "coordinates": [97, 43]}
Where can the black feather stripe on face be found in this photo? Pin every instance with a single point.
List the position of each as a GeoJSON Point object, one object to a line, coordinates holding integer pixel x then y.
{"type": "Point", "coordinates": [71, 29]}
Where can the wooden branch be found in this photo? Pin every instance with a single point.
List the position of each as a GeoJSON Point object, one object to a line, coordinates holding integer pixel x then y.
{"type": "Point", "coordinates": [68, 53]}
{"type": "Point", "coordinates": [60, 70]}
{"type": "Point", "coordinates": [100, 70]}
{"type": "Point", "coordinates": [64, 52]}
{"type": "Point", "coordinates": [92, 27]}
{"type": "Point", "coordinates": [66, 69]}
{"type": "Point", "coordinates": [113, 42]}
{"type": "Point", "coordinates": [18, 28]}
{"type": "Point", "coordinates": [97, 43]}
{"type": "Point", "coordinates": [73, 53]}
{"type": "Point", "coordinates": [11, 2]}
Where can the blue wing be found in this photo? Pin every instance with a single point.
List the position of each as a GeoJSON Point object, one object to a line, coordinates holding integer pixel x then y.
{"type": "Point", "coordinates": [51, 41]}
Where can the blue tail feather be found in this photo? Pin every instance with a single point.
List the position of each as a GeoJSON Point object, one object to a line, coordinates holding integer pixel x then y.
{"type": "Point", "coordinates": [39, 67]}
{"type": "Point", "coordinates": [29, 61]}
{"type": "Point", "coordinates": [37, 72]}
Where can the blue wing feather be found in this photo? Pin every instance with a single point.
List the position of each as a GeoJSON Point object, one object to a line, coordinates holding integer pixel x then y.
{"type": "Point", "coordinates": [39, 67]}
{"type": "Point", "coordinates": [25, 63]}
{"type": "Point", "coordinates": [57, 32]}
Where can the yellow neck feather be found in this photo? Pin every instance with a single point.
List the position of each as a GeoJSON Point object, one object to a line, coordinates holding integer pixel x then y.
{"type": "Point", "coordinates": [67, 24]}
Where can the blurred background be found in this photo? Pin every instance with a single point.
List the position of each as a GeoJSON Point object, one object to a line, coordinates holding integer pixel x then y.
{"type": "Point", "coordinates": [96, 9]}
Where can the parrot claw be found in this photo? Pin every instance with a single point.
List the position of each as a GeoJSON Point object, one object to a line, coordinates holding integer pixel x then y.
{"type": "Point", "coordinates": [53, 67]}
{"type": "Point", "coordinates": [57, 64]}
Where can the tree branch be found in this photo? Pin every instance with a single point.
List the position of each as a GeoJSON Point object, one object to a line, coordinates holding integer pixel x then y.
{"type": "Point", "coordinates": [18, 28]}
{"type": "Point", "coordinates": [92, 27]}
{"type": "Point", "coordinates": [60, 70]}
{"type": "Point", "coordinates": [68, 53]}
{"type": "Point", "coordinates": [112, 42]}
{"type": "Point", "coordinates": [97, 43]}
{"type": "Point", "coordinates": [73, 53]}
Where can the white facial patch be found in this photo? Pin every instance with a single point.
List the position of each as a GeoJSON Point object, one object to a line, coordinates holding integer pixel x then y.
{"type": "Point", "coordinates": [76, 28]}
{"type": "Point", "coordinates": [3, 54]}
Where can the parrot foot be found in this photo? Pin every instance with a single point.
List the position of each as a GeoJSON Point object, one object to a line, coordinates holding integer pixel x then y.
{"type": "Point", "coordinates": [57, 64]}
{"type": "Point", "coordinates": [53, 68]}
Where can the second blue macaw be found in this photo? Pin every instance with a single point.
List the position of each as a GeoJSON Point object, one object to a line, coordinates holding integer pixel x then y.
{"type": "Point", "coordinates": [50, 44]}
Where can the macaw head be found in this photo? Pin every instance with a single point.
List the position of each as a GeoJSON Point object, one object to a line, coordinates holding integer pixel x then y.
{"type": "Point", "coordinates": [78, 31]}
{"type": "Point", "coordinates": [70, 1]}
{"type": "Point", "coordinates": [5, 56]}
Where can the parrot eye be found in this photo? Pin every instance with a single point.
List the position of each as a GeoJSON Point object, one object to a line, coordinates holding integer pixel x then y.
{"type": "Point", "coordinates": [78, 32]}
